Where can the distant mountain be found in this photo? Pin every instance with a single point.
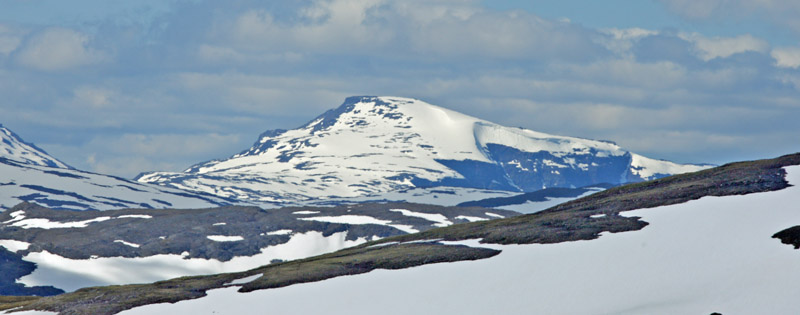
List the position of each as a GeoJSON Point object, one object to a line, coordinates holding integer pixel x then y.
{"type": "Point", "coordinates": [370, 146]}
{"type": "Point", "coordinates": [15, 149]}
{"type": "Point", "coordinates": [699, 243]}
{"type": "Point", "coordinates": [29, 174]}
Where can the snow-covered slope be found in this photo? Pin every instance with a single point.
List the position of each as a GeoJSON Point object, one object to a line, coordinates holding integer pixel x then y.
{"type": "Point", "coordinates": [709, 255]}
{"type": "Point", "coordinates": [13, 148]}
{"type": "Point", "coordinates": [77, 190]}
{"type": "Point", "coordinates": [27, 173]}
{"type": "Point", "coordinates": [374, 145]}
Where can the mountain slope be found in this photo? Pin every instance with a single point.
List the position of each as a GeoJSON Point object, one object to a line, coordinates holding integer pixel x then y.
{"type": "Point", "coordinates": [28, 174]}
{"type": "Point", "coordinates": [15, 149]}
{"type": "Point", "coordinates": [374, 145]}
{"type": "Point", "coordinates": [696, 243]}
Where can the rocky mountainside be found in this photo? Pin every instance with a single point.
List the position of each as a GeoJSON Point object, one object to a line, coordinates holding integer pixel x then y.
{"type": "Point", "coordinates": [370, 146]}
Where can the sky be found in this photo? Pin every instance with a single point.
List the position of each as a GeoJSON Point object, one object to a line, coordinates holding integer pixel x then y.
{"type": "Point", "coordinates": [123, 87]}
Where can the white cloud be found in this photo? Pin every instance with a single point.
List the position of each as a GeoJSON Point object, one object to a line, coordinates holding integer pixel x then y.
{"type": "Point", "coordinates": [325, 25]}
{"type": "Point", "coordinates": [628, 33]}
{"type": "Point", "coordinates": [723, 47]}
{"type": "Point", "coordinates": [210, 68]}
{"type": "Point", "coordinates": [621, 40]}
{"type": "Point", "coordinates": [787, 57]}
{"type": "Point", "coordinates": [407, 29]}
{"type": "Point", "coordinates": [56, 49]}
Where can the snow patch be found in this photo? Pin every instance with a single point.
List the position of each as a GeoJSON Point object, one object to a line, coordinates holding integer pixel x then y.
{"type": "Point", "coordinates": [14, 245]}
{"type": "Point", "coordinates": [244, 280]}
{"type": "Point", "coordinates": [224, 238]}
{"type": "Point", "coordinates": [135, 216]}
{"type": "Point", "coordinates": [495, 215]}
{"type": "Point", "coordinates": [280, 232]}
{"type": "Point", "coordinates": [348, 219]}
{"type": "Point", "coordinates": [441, 220]}
{"type": "Point", "coordinates": [305, 212]}
{"type": "Point", "coordinates": [41, 223]}
{"type": "Point", "coordinates": [15, 216]}
{"type": "Point", "coordinates": [471, 219]}
{"type": "Point", "coordinates": [134, 245]}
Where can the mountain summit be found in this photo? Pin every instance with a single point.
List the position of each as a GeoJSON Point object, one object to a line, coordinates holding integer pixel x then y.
{"type": "Point", "coordinates": [371, 145]}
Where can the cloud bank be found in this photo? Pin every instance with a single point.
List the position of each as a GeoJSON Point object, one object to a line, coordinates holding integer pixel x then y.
{"type": "Point", "coordinates": [214, 75]}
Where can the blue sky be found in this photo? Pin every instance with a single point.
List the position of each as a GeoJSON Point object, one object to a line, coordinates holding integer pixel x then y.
{"type": "Point", "coordinates": [123, 87]}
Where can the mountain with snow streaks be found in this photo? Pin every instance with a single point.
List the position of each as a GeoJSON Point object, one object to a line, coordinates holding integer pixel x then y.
{"type": "Point", "coordinates": [29, 174]}
{"type": "Point", "coordinates": [371, 145]}
{"type": "Point", "coordinates": [15, 149]}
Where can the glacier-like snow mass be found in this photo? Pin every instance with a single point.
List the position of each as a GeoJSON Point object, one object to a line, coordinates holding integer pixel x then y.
{"type": "Point", "coordinates": [371, 146]}
{"type": "Point", "coordinates": [709, 255]}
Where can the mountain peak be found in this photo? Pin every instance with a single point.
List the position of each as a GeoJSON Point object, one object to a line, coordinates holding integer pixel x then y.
{"type": "Point", "coordinates": [13, 148]}
{"type": "Point", "coordinates": [371, 145]}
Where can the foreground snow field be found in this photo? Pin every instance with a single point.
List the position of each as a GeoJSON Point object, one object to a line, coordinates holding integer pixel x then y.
{"type": "Point", "coordinates": [709, 255]}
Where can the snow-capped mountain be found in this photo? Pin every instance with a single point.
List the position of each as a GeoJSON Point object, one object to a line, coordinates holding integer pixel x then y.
{"type": "Point", "coordinates": [28, 173]}
{"type": "Point", "coordinates": [374, 145]}
{"type": "Point", "coordinates": [15, 149]}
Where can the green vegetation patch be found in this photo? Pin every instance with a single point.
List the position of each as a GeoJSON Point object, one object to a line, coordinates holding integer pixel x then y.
{"type": "Point", "coordinates": [11, 302]}
{"type": "Point", "coordinates": [363, 260]}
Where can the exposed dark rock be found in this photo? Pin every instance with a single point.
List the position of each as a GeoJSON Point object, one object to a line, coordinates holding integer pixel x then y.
{"type": "Point", "coordinates": [790, 236]}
